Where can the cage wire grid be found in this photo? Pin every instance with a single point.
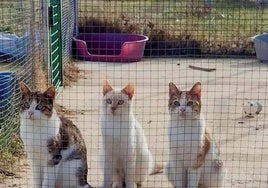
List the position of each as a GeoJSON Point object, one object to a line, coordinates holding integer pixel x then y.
{"type": "Point", "coordinates": [16, 59]}
{"type": "Point", "coordinates": [189, 42]}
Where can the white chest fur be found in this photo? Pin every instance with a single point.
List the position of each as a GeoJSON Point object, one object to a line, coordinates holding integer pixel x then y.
{"type": "Point", "coordinates": [118, 131]}
{"type": "Point", "coordinates": [185, 138]}
{"type": "Point", "coordinates": [35, 133]}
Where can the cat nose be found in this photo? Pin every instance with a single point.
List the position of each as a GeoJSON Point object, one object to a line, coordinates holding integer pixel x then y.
{"type": "Point", "coordinates": [30, 113]}
{"type": "Point", "coordinates": [182, 109]}
{"type": "Point", "coordinates": [113, 108]}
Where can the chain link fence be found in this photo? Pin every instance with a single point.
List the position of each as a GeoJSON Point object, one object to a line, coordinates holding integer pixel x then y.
{"type": "Point", "coordinates": [16, 61]}
{"type": "Point", "coordinates": [176, 28]}
{"type": "Point", "coordinates": [68, 27]}
{"type": "Point", "coordinates": [216, 36]}
{"type": "Point", "coordinates": [24, 52]}
{"type": "Point", "coordinates": [179, 27]}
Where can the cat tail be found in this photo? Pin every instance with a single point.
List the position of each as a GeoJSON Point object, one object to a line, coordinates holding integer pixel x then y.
{"type": "Point", "coordinates": [157, 169]}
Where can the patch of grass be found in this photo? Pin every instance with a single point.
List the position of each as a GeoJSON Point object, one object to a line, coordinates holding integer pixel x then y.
{"type": "Point", "coordinates": [9, 156]}
{"type": "Point", "coordinates": [14, 16]}
{"type": "Point", "coordinates": [223, 28]}
{"type": "Point", "coordinates": [8, 13]}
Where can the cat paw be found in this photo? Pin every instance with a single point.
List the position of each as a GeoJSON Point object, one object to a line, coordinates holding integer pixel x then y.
{"type": "Point", "coordinates": [117, 185]}
{"type": "Point", "coordinates": [217, 164]}
{"type": "Point", "coordinates": [131, 185]}
{"type": "Point", "coordinates": [138, 184]}
{"type": "Point", "coordinates": [55, 160]}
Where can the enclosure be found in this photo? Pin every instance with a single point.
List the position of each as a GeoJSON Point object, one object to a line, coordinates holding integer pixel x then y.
{"type": "Point", "coordinates": [211, 42]}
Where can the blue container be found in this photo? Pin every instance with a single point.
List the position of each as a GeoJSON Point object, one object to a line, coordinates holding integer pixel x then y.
{"type": "Point", "coordinates": [7, 85]}
{"type": "Point", "coordinates": [261, 46]}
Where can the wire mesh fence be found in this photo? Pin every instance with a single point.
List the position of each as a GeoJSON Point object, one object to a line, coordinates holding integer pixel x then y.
{"type": "Point", "coordinates": [177, 28]}
{"type": "Point", "coordinates": [203, 29]}
{"type": "Point", "coordinates": [24, 52]}
{"type": "Point", "coordinates": [16, 55]}
{"type": "Point", "coordinates": [68, 27]}
{"type": "Point", "coordinates": [215, 36]}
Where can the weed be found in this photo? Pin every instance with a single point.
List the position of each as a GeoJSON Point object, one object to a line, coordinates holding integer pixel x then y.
{"type": "Point", "coordinates": [10, 155]}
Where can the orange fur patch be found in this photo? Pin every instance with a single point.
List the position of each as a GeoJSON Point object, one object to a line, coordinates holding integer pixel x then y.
{"type": "Point", "coordinates": [204, 150]}
{"type": "Point", "coordinates": [129, 90]}
{"type": "Point", "coordinates": [106, 87]}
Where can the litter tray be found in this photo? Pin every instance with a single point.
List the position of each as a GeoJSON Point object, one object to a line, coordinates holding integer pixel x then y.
{"type": "Point", "coordinates": [111, 47]}
{"type": "Point", "coordinates": [261, 46]}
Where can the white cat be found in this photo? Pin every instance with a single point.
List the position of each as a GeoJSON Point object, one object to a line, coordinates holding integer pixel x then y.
{"type": "Point", "coordinates": [54, 146]}
{"type": "Point", "coordinates": [127, 159]}
{"type": "Point", "coordinates": [193, 156]}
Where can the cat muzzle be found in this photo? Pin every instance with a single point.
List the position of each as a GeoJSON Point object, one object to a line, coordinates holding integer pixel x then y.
{"type": "Point", "coordinates": [30, 114]}
{"type": "Point", "coordinates": [182, 113]}
{"type": "Point", "coordinates": [113, 112]}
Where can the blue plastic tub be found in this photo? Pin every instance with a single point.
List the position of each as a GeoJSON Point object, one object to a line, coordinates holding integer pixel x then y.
{"type": "Point", "coordinates": [7, 85]}
{"type": "Point", "coordinates": [261, 46]}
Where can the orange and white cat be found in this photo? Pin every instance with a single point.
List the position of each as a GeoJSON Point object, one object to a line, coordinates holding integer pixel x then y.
{"type": "Point", "coordinates": [193, 156]}
{"type": "Point", "coordinates": [127, 158]}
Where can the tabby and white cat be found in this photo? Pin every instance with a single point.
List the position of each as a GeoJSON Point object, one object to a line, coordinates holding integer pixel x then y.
{"type": "Point", "coordinates": [126, 156]}
{"type": "Point", "coordinates": [193, 156]}
{"type": "Point", "coordinates": [54, 145]}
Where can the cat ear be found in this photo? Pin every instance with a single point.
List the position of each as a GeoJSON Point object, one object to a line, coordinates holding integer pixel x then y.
{"type": "Point", "coordinates": [106, 87]}
{"type": "Point", "coordinates": [50, 92]}
{"type": "Point", "coordinates": [173, 90]}
{"type": "Point", "coordinates": [129, 90]}
{"type": "Point", "coordinates": [25, 90]}
{"type": "Point", "coordinates": [196, 90]}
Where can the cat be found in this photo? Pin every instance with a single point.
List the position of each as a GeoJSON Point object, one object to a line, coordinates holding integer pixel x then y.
{"type": "Point", "coordinates": [127, 160]}
{"type": "Point", "coordinates": [193, 155]}
{"type": "Point", "coordinates": [54, 146]}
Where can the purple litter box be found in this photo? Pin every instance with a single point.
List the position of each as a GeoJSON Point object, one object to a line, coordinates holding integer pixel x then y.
{"type": "Point", "coordinates": [110, 47]}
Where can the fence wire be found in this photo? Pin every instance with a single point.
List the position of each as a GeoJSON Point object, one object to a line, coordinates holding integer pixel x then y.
{"type": "Point", "coordinates": [16, 61]}
{"type": "Point", "coordinates": [68, 27]}
{"type": "Point", "coordinates": [216, 37]}
{"type": "Point", "coordinates": [181, 28]}
{"type": "Point", "coordinates": [207, 41]}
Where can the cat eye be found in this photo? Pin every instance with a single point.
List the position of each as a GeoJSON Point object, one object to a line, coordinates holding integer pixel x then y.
{"type": "Point", "coordinates": [190, 103]}
{"type": "Point", "coordinates": [39, 107]}
{"type": "Point", "coordinates": [120, 102]}
{"type": "Point", "coordinates": [108, 101]}
{"type": "Point", "coordinates": [26, 105]}
{"type": "Point", "coordinates": [176, 103]}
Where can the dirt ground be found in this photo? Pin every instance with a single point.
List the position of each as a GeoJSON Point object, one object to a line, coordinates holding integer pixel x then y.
{"type": "Point", "coordinates": [242, 141]}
